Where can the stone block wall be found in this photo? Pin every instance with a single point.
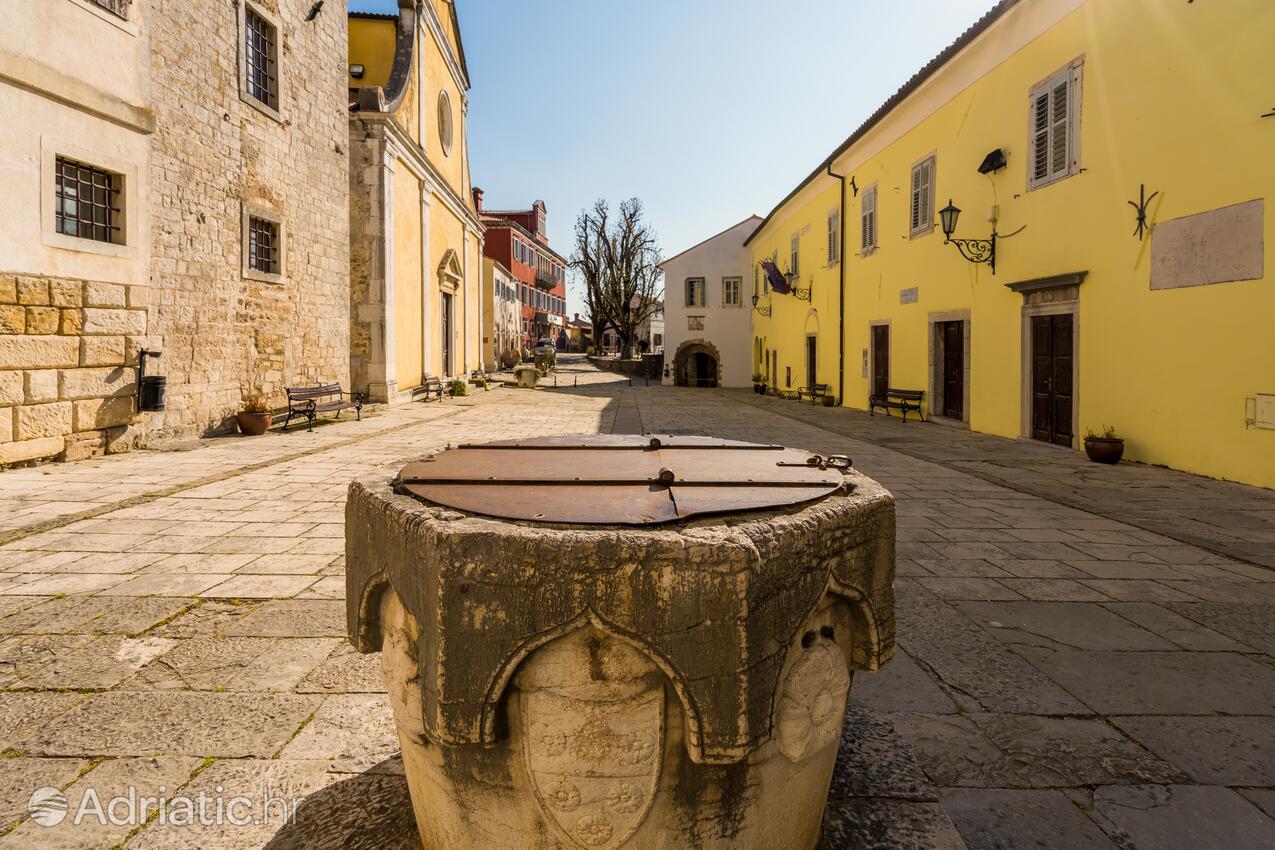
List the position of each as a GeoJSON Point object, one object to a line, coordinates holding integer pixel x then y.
{"type": "Point", "coordinates": [224, 335]}
{"type": "Point", "coordinates": [68, 366]}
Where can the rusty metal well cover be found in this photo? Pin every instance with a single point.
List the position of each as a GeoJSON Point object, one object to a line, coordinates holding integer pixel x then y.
{"type": "Point", "coordinates": [621, 479]}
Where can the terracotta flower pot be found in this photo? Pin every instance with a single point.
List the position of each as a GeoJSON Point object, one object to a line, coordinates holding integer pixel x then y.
{"type": "Point", "coordinates": [1104, 449]}
{"type": "Point", "coordinates": [829, 401]}
{"type": "Point", "coordinates": [253, 424]}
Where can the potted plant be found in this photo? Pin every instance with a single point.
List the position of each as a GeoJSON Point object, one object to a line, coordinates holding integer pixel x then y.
{"type": "Point", "coordinates": [829, 400]}
{"type": "Point", "coordinates": [759, 384]}
{"type": "Point", "coordinates": [254, 416]}
{"type": "Point", "coordinates": [1104, 447]}
{"type": "Point", "coordinates": [459, 387]}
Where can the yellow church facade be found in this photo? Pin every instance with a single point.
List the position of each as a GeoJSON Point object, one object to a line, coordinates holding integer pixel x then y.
{"type": "Point", "coordinates": [416, 241]}
{"type": "Point", "coordinates": [1102, 167]}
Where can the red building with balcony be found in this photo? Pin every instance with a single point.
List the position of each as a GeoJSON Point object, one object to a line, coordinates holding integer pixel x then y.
{"type": "Point", "coordinates": [519, 240]}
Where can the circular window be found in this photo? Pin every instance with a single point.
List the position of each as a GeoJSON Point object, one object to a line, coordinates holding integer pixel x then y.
{"type": "Point", "coordinates": [445, 122]}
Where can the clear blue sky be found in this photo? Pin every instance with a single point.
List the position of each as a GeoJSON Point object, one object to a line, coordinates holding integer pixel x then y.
{"type": "Point", "coordinates": [707, 110]}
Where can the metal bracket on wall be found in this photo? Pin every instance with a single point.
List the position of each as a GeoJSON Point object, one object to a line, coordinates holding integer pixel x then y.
{"type": "Point", "coordinates": [1270, 114]}
{"type": "Point", "coordinates": [1141, 207]}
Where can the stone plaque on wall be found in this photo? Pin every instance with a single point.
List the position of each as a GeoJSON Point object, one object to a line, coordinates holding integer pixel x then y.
{"type": "Point", "coordinates": [1210, 247]}
{"type": "Point", "coordinates": [909, 295]}
{"type": "Point", "coordinates": [695, 323]}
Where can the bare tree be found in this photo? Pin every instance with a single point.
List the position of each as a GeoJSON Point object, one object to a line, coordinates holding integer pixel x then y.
{"type": "Point", "coordinates": [618, 258]}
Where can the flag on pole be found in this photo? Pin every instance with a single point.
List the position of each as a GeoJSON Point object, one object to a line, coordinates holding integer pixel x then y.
{"type": "Point", "coordinates": [775, 277]}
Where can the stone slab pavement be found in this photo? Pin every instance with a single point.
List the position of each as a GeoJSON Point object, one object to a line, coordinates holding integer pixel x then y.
{"type": "Point", "coordinates": [1069, 675]}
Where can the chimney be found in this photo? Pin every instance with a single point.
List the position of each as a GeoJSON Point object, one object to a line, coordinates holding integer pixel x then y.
{"type": "Point", "coordinates": [478, 198]}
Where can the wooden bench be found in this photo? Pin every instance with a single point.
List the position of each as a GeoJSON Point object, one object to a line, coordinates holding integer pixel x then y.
{"type": "Point", "coordinates": [328, 398]}
{"type": "Point", "coordinates": [431, 386]}
{"type": "Point", "coordinates": [815, 392]}
{"type": "Point", "coordinates": [900, 400]}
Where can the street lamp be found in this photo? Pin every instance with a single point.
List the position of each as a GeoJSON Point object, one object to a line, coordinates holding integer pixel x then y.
{"type": "Point", "coordinates": [974, 250]}
{"type": "Point", "coordinates": [765, 311]}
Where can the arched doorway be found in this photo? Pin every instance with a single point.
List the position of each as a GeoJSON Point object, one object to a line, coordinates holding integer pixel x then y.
{"type": "Point", "coordinates": [696, 365]}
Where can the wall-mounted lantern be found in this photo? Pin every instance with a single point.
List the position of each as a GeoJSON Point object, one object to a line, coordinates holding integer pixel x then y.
{"type": "Point", "coordinates": [765, 311]}
{"type": "Point", "coordinates": [974, 250]}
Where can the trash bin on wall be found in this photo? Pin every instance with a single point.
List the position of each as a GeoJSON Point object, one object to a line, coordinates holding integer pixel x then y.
{"type": "Point", "coordinates": [150, 392]}
{"type": "Point", "coordinates": [620, 641]}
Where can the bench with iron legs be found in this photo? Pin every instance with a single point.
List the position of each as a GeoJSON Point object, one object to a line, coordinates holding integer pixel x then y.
{"type": "Point", "coordinates": [814, 392]}
{"type": "Point", "coordinates": [900, 400]}
{"type": "Point", "coordinates": [328, 398]}
{"type": "Point", "coordinates": [431, 386]}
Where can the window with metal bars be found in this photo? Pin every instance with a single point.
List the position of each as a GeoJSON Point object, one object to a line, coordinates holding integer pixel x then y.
{"type": "Point", "coordinates": [86, 202]}
{"type": "Point", "coordinates": [261, 58]}
{"type": "Point", "coordinates": [263, 245]}
{"type": "Point", "coordinates": [115, 7]}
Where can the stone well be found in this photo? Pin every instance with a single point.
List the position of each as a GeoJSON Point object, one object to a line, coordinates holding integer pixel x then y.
{"type": "Point", "coordinates": [639, 676]}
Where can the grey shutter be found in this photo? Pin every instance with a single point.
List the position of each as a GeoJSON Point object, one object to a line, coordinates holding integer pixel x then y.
{"type": "Point", "coordinates": [1040, 136]}
{"type": "Point", "coordinates": [913, 222]}
{"type": "Point", "coordinates": [1059, 127]}
{"type": "Point", "coordinates": [834, 235]}
{"type": "Point", "coordinates": [868, 220]}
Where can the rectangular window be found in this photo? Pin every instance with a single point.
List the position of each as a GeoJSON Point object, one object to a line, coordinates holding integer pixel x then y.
{"type": "Point", "coordinates": [1053, 123]}
{"type": "Point", "coordinates": [86, 202]}
{"type": "Point", "coordinates": [921, 211]}
{"type": "Point", "coordinates": [695, 292]}
{"type": "Point", "coordinates": [263, 245]}
{"type": "Point", "coordinates": [834, 236]}
{"type": "Point", "coordinates": [731, 287]}
{"type": "Point", "coordinates": [794, 267]}
{"type": "Point", "coordinates": [261, 58]}
{"type": "Point", "coordinates": [868, 220]}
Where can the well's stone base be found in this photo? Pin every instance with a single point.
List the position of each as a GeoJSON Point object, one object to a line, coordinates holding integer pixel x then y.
{"type": "Point", "coordinates": [595, 755]}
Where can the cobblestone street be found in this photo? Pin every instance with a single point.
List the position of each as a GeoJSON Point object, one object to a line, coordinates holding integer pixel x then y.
{"type": "Point", "coordinates": [1086, 654]}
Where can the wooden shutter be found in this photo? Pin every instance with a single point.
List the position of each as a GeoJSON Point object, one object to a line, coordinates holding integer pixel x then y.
{"type": "Point", "coordinates": [1059, 127]}
{"type": "Point", "coordinates": [868, 220]}
{"type": "Point", "coordinates": [793, 269]}
{"type": "Point", "coordinates": [1052, 128]}
{"type": "Point", "coordinates": [834, 235]}
{"type": "Point", "coordinates": [922, 195]}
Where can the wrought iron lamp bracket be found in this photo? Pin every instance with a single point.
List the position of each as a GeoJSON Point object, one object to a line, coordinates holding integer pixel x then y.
{"type": "Point", "coordinates": [803, 294]}
{"type": "Point", "coordinates": [977, 250]}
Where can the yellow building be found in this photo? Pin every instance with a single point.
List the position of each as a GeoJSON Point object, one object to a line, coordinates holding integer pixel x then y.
{"type": "Point", "coordinates": [416, 241]}
{"type": "Point", "coordinates": [1052, 123]}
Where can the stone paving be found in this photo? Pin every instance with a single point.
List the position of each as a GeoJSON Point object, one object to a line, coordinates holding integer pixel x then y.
{"type": "Point", "coordinates": [1086, 655]}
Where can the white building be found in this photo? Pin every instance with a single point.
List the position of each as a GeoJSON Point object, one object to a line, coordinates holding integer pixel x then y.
{"type": "Point", "coordinates": [707, 313]}
{"type": "Point", "coordinates": [502, 311]}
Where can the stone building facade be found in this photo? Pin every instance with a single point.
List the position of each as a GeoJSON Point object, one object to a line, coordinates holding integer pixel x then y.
{"type": "Point", "coordinates": [188, 196]}
{"type": "Point", "coordinates": [227, 156]}
{"type": "Point", "coordinates": [416, 242]}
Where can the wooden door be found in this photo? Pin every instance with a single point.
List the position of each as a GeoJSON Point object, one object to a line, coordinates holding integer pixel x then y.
{"type": "Point", "coordinates": [447, 334]}
{"type": "Point", "coordinates": [953, 337]}
{"type": "Point", "coordinates": [1051, 381]}
{"type": "Point", "coordinates": [812, 361]}
{"type": "Point", "coordinates": [880, 360]}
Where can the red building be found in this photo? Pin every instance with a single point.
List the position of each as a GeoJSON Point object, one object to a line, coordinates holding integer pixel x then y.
{"type": "Point", "coordinates": [519, 240]}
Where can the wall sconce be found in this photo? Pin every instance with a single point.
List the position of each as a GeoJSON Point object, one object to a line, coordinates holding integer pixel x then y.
{"type": "Point", "coordinates": [974, 250]}
{"type": "Point", "coordinates": [765, 311]}
{"type": "Point", "coordinates": [802, 294]}
{"type": "Point", "coordinates": [356, 71]}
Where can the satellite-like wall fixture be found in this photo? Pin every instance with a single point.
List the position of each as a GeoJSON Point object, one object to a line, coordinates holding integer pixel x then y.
{"type": "Point", "coordinates": [994, 161]}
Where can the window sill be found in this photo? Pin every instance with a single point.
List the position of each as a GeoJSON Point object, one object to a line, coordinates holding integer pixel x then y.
{"type": "Point", "coordinates": [925, 231]}
{"type": "Point", "coordinates": [263, 277]}
{"type": "Point", "coordinates": [869, 252]}
{"type": "Point", "coordinates": [126, 24]}
{"type": "Point", "coordinates": [261, 107]}
{"type": "Point", "coordinates": [87, 246]}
